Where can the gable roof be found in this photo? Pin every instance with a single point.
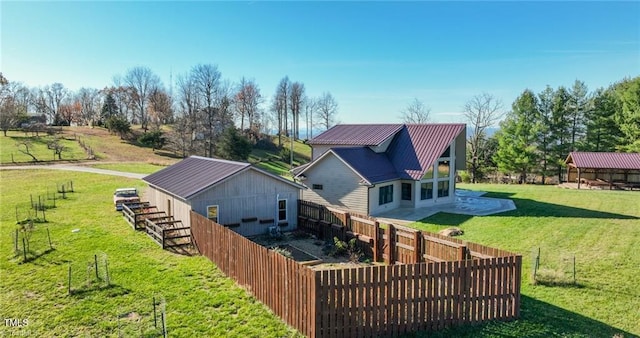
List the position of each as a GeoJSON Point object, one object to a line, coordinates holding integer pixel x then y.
{"type": "Point", "coordinates": [357, 134]}
{"type": "Point", "coordinates": [417, 146]}
{"type": "Point", "coordinates": [373, 167]}
{"type": "Point", "coordinates": [602, 160]}
{"type": "Point", "coordinates": [414, 149]}
{"type": "Point", "coordinates": [195, 174]}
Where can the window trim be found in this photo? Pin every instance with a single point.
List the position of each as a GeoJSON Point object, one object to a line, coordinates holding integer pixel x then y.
{"type": "Point", "coordinates": [402, 190]}
{"type": "Point", "coordinates": [426, 195]}
{"type": "Point", "coordinates": [217, 206]}
{"type": "Point", "coordinates": [286, 211]}
{"type": "Point", "coordinates": [448, 188]}
{"type": "Point", "coordinates": [382, 197]}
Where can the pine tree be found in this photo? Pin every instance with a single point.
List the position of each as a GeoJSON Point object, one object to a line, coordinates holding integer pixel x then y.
{"type": "Point", "coordinates": [517, 148]}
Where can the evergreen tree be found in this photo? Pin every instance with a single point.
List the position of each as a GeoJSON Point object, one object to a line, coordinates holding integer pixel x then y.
{"type": "Point", "coordinates": [560, 130]}
{"type": "Point", "coordinates": [109, 108]}
{"type": "Point", "coordinates": [545, 137]}
{"type": "Point", "coordinates": [233, 145]}
{"type": "Point", "coordinates": [602, 131]}
{"type": "Point", "coordinates": [517, 150]}
{"type": "Point", "coordinates": [628, 114]}
{"type": "Point", "coordinates": [578, 107]}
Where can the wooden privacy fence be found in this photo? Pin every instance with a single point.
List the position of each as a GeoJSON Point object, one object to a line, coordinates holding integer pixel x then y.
{"type": "Point", "coordinates": [388, 243]}
{"type": "Point", "coordinates": [371, 301]}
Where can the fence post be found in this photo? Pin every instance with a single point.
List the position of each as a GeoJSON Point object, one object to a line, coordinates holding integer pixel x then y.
{"type": "Point", "coordinates": [376, 241]}
{"type": "Point", "coordinates": [346, 225]}
{"type": "Point", "coordinates": [462, 252]}
{"type": "Point", "coordinates": [390, 244]}
{"type": "Point", "coordinates": [418, 246]}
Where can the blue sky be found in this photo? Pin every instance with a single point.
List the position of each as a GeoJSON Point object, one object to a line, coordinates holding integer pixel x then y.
{"type": "Point", "coordinates": [374, 57]}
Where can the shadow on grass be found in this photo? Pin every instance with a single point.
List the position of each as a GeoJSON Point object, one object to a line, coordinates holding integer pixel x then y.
{"type": "Point", "coordinates": [537, 319]}
{"type": "Point", "coordinates": [111, 290]}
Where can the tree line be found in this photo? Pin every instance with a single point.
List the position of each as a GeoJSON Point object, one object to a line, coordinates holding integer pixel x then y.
{"type": "Point", "coordinates": [203, 106]}
{"type": "Point", "coordinates": [540, 130]}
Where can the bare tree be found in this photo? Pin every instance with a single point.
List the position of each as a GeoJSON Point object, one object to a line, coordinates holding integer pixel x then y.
{"type": "Point", "coordinates": [89, 99]}
{"type": "Point", "coordinates": [327, 110]}
{"type": "Point", "coordinates": [160, 108]}
{"type": "Point", "coordinates": [416, 112]}
{"type": "Point", "coordinates": [13, 108]}
{"type": "Point", "coordinates": [143, 82]}
{"type": "Point", "coordinates": [49, 100]}
{"type": "Point", "coordinates": [215, 101]}
{"type": "Point", "coordinates": [247, 102]}
{"type": "Point", "coordinates": [310, 108]}
{"type": "Point", "coordinates": [481, 112]}
{"type": "Point", "coordinates": [188, 108]}
{"type": "Point", "coordinates": [295, 103]}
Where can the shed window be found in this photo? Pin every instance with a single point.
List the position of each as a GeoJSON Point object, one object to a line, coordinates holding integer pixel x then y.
{"type": "Point", "coordinates": [406, 191]}
{"type": "Point", "coordinates": [386, 195]}
{"type": "Point", "coordinates": [212, 213]}
{"type": "Point", "coordinates": [282, 210]}
{"type": "Point", "coordinates": [317, 187]}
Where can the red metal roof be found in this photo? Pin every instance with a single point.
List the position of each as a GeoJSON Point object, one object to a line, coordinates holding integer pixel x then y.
{"type": "Point", "coordinates": [414, 149]}
{"type": "Point", "coordinates": [419, 145]}
{"type": "Point", "coordinates": [357, 134]}
{"type": "Point", "coordinates": [193, 174]}
{"type": "Point", "coordinates": [600, 160]}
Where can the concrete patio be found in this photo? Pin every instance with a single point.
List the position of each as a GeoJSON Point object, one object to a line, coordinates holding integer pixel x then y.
{"type": "Point", "coordinates": [467, 203]}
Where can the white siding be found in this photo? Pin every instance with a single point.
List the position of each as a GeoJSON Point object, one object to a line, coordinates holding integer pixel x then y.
{"type": "Point", "coordinates": [250, 194]}
{"type": "Point", "coordinates": [179, 208]}
{"type": "Point", "coordinates": [340, 185]}
{"type": "Point", "coordinates": [374, 198]}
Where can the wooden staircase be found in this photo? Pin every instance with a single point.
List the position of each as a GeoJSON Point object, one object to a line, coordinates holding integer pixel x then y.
{"type": "Point", "coordinates": [162, 228]}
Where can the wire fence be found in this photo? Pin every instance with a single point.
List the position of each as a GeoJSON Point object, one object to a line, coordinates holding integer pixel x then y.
{"type": "Point", "coordinates": [554, 269]}
{"type": "Point", "coordinates": [145, 322]}
{"type": "Point", "coordinates": [31, 242]}
{"type": "Point", "coordinates": [89, 275]}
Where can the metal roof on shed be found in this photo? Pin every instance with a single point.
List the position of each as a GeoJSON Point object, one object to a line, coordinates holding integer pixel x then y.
{"type": "Point", "coordinates": [602, 160]}
{"type": "Point", "coordinates": [357, 134]}
{"type": "Point", "coordinates": [193, 174]}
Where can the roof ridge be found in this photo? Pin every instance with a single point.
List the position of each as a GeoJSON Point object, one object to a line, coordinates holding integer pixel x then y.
{"type": "Point", "coordinates": [244, 164]}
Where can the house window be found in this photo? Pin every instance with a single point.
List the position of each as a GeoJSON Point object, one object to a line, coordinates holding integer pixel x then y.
{"type": "Point", "coordinates": [443, 169]}
{"type": "Point", "coordinates": [447, 152]}
{"type": "Point", "coordinates": [212, 213]}
{"type": "Point", "coordinates": [429, 174]}
{"type": "Point", "coordinates": [282, 210]}
{"type": "Point", "coordinates": [406, 191]}
{"type": "Point", "coordinates": [317, 187]}
{"type": "Point", "coordinates": [443, 188]}
{"type": "Point", "coordinates": [426, 191]}
{"type": "Point", "coordinates": [386, 195]}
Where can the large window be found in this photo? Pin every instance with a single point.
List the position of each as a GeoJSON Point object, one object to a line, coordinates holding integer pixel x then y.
{"type": "Point", "coordinates": [386, 195]}
{"type": "Point", "coordinates": [426, 191]}
{"type": "Point", "coordinates": [406, 191]}
{"type": "Point", "coordinates": [212, 213]}
{"type": "Point", "coordinates": [282, 210]}
{"type": "Point", "coordinates": [443, 169]}
{"type": "Point", "coordinates": [443, 188]}
{"type": "Point", "coordinates": [428, 174]}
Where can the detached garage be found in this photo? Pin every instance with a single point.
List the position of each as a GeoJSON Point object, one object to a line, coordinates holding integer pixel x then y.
{"type": "Point", "coordinates": [234, 194]}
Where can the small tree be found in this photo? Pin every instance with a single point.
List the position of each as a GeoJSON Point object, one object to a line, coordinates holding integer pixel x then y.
{"type": "Point", "coordinates": [57, 147]}
{"type": "Point", "coordinates": [118, 125]}
{"type": "Point", "coordinates": [234, 146]}
{"type": "Point", "coordinates": [416, 112]}
{"type": "Point", "coordinates": [154, 139]}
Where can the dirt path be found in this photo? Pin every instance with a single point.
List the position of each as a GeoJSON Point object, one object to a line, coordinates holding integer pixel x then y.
{"type": "Point", "coordinates": [70, 167]}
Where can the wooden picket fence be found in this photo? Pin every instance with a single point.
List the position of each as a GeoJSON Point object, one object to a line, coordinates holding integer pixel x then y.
{"type": "Point", "coordinates": [381, 300]}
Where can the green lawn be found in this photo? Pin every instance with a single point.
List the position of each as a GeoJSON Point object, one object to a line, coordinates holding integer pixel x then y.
{"type": "Point", "coordinates": [10, 149]}
{"type": "Point", "coordinates": [600, 228]}
{"type": "Point", "coordinates": [130, 167]}
{"type": "Point", "coordinates": [200, 300]}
